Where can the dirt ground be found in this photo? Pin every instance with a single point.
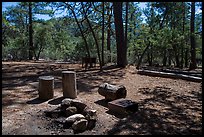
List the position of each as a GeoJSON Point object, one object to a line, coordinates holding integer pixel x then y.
{"type": "Point", "coordinates": [166, 106]}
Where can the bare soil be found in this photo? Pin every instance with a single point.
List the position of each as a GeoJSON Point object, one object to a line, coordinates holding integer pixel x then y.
{"type": "Point", "coordinates": [166, 106]}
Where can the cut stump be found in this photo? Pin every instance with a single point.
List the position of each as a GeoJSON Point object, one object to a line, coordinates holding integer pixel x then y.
{"type": "Point", "coordinates": [69, 84]}
{"type": "Point", "coordinates": [46, 87]}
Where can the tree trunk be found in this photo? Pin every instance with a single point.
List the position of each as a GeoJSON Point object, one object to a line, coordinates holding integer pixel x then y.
{"type": "Point", "coordinates": [186, 57]}
{"type": "Point", "coordinates": [109, 14]}
{"type": "Point", "coordinates": [30, 32]}
{"type": "Point", "coordinates": [193, 51]}
{"type": "Point", "coordinates": [149, 57]}
{"type": "Point", "coordinates": [183, 44]}
{"type": "Point", "coordinates": [177, 56]}
{"type": "Point", "coordinates": [121, 47]}
{"type": "Point", "coordinates": [141, 57]}
{"type": "Point", "coordinates": [164, 58]}
{"type": "Point", "coordinates": [126, 28]}
{"type": "Point", "coordinates": [169, 57]}
{"type": "Point", "coordinates": [93, 33]}
{"type": "Point", "coordinates": [102, 51]}
{"type": "Point", "coordinates": [182, 56]}
{"type": "Point", "coordinates": [82, 34]}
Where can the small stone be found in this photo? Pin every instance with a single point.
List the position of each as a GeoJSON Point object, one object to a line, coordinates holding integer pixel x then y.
{"type": "Point", "coordinates": [66, 103]}
{"type": "Point", "coordinates": [91, 123]}
{"type": "Point", "coordinates": [80, 125]}
{"type": "Point", "coordinates": [71, 111]}
{"type": "Point", "coordinates": [53, 113]}
{"type": "Point", "coordinates": [89, 111]}
{"type": "Point", "coordinates": [79, 105]}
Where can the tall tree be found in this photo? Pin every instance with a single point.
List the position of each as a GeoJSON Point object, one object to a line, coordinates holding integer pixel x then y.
{"type": "Point", "coordinates": [120, 42]}
{"type": "Point", "coordinates": [126, 26]}
{"type": "Point", "coordinates": [93, 33]}
{"type": "Point", "coordinates": [30, 32]}
{"type": "Point", "coordinates": [79, 26]}
{"type": "Point", "coordinates": [102, 51]}
{"type": "Point", "coordinates": [192, 26]}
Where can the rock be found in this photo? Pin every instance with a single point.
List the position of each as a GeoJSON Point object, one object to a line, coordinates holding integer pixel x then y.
{"type": "Point", "coordinates": [54, 113]}
{"type": "Point", "coordinates": [73, 118]}
{"type": "Point", "coordinates": [91, 123]}
{"type": "Point", "coordinates": [60, 120]}
{"type": "Point", "coordinates": [80, 125]}
{"type": "Point", "coordinates": [72, 102]}
{"type": "Point", "coordinates": [65, 104]}
{"type": "Point", "coordinates": [79, 105]}
{"type": "Point", "coordinates": [71, 111]}
{"type": "Point", "coordinates": [90, 115]}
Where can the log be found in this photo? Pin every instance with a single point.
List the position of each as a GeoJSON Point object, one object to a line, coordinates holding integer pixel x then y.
{"type": "Point", "coordinates": [112, 92]}
{"type": "Point", "coordinates": [46, 86]}
{"type": "Point", "coordinates": [69, 84]}
{"type": "Point", "coordinates": [169, 75]}
{"type": "Point", "coordinates": [191, 73]}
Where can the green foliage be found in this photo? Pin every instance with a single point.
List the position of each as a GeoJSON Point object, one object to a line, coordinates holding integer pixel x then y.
{"type": "Point", "coordinates": [61, 39]}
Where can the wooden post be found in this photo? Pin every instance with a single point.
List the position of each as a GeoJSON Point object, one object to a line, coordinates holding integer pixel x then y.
{"type": "Point", "coordinates": [46, 86]}
{"type": "Point", "coordinates": [69, 84]}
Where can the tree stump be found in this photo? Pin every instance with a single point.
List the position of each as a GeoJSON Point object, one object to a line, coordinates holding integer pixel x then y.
{"type": "Point", "coordinates": [46, 86]}
{"type": "Point", "coordinates": [112, 92]}
{"type": "Point", "coordinates": [69, 84]}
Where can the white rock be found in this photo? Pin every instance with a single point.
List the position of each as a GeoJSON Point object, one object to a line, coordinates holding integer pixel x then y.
{"type": "Point", "coordinates": [73, 118]}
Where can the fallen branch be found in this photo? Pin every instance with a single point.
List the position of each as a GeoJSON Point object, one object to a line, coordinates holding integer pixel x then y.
{"type": "Point", "coordinates": [169, 75]}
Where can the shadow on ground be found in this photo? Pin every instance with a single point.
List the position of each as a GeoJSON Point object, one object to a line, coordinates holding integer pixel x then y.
{"type": "Point", "coordinates": [164, 112]}
{"type": "Point", "coordinates": [15, 76]}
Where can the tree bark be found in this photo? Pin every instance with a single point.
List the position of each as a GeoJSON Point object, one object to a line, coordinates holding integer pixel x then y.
{"type": "Point", "coordinates": [109, 14]}
{"type": "Point", "coordinates": [164, 58]}
{"type": "Point", "coordinates": [186, 57]}
{"type": "Point", "coordinates": [121, 47]}
{"type": "Point", "coordinates": [96, 41]}
{"type": "Point", "coordinates": [126, 26]}
{"type": "Point", "coordinates": [82, 34]}
{"type": "Point", "coordinates": [141, 57]}
{"type": "Point", "coordinates": [102, 51]}
{"type": "Point", "coordinates": [193, 51]}
{"type": "Point", "coordinates": [109, 29]}
{"type": "Point", "coordinates": [112, 92]}
{"type": "Point", "coordinates": [183, 44]}
{"type": "Point", "coordinates": [30, 32]}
